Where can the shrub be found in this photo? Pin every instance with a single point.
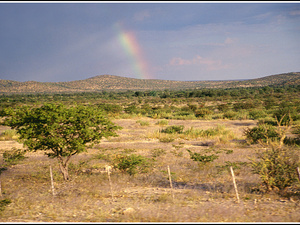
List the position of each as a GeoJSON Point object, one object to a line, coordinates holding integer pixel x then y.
{"type": "Point", "coordinates": [166, 139]}
{"type": "Point", "coordinates": [131, 164]}
{"type": "Point", "coordinates": [202, 112]}
{"type": "Point", "coordinates": [157, 152]}
{"type": "Point", "coordinates": [110, 108]}
{"type": "Point", "coordinates": [9, 135]}
{"type": "Point", "coordinates": [236, 166]}
{"type": "Point", "coordinates": [287, 114]}
{"type": "Point", "coordinates": [202, 158]}
{"type": "Point", "coordinates": [193, 107]}
{"type": "Point", "coordinates": [103, 156]}
{"type": "Point", "coordinates": [4, 203]}
{"type": "Point", "coordinates": [173, 129]}
{"type": "Point", "coordinates": [162, 122]}
{"type": "Point", "coordinates": [267, 120]}
{"type": "Point", "coordinates": [183, 113]}
{"type": "Point", "coordinates": [223, 107]}
{"type": "Point", "coordinates": [143, 123]}
{"type": "Point", "coordinates": [296, 130]}
{"type": "Point", "coordinates": [257, 113]}
{"type": "Point", "coordinates": [270, 102]}
{"type": "Point", "coordinates": [243, 105]}
{"type": "Point", "coordinates": [14, 156]}
{"type": "Point", "coordinates": [231, 115]}
{"type": "Point", "coordinates": [132, 109]}
{"type": "Point", "coordinates": [276, 168]}
{"type": "Point", "coordinates": [78, 168]}
{"type": "Point", "coordinates": [219, 130]}
{"type": "Point", "coordinates": [263, 132]}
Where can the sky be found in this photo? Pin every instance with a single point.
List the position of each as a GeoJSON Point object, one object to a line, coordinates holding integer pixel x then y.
{"type": "Point", "coordinates": [184, 41]}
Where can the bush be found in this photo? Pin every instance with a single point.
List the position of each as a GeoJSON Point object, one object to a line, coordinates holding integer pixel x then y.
{"type": "Point", "coordinates": [14, 156]}
{"type": "Point", "coordinates": [183, 114]}
{"type": "Point", "coordinates": [132, 109]}
{"type": "Point", "coordinates": [243, 105]}
{"type": "Point", "coordinates": [223, 107]}
{"type": "Point", "coordinates": [143, 123]}
{"type": "Point", "coordinates": [263, 132]}
{"type": "Point", "coordinates": [131, 164]}
{"type": "Point", "coordinates": [219, 130]}
{"type": "Point", "coordinates": [173, 129]}
{"type": "Point", "coordinates": [276, 168]}
{"type": "Point", "coordinates": [231, 115]}
{"type": "Point", "coordinates": [110, 108]}
{"type": "Point", "coordinates": [257, 113]}
{"type": "Point", "coordinates": [166, 139]}
{"type": "Point", "coordinates": [162, 122]}
{"type": "Point", "coordinates": [286, 114]}
{"type": "Point", "coordinates": [270, 102]}
{"type": "Point", "coordinates": [236, 166]}
{"type": "Point", "coordinates": [201, 158]}
{"type": "Point", "coordinates": [4, 203]}
{"type": "Point", "coordinates": [78, 168]}
{"type": "Point", "coordinates": [158, 152]}
{"type": "Point", "coordinates": [203, 112]}
{"type": "Point", "coordinates": [9, 135]}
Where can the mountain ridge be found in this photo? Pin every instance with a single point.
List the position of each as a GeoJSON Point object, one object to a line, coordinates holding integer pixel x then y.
{"type": "Point", "coordinates": [117, 83]}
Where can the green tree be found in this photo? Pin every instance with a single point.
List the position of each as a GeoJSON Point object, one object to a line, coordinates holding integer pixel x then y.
{"type": "Point", "coordinates": [59, 130]}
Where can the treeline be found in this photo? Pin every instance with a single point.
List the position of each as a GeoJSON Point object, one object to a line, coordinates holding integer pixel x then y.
{"type": "Point", "coordinates": [264, 103]}
{"type": "Point", "coordinates": [189, 93]}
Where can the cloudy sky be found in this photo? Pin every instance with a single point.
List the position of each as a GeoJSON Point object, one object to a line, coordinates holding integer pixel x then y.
{"type": "Point", "coordinates": [61, 41]}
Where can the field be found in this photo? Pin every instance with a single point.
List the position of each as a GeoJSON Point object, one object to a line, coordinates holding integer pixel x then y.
{"type": "Point", "coordinates": [200, 193]}
{"type": "Point", "coordinates": [194, 137]}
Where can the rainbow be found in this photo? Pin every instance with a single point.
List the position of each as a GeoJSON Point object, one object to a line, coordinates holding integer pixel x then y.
{"type": "Point", "coordinates": [131, 46]}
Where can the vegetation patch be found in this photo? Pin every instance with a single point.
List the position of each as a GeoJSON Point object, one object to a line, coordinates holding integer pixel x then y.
{"type": "Point", "coordinates": [202, 158]}
{"type": "Point", "coordinates": [131, 164]}
{"type": "Point", "coordinates": [276, 168]}
{"type": "Point", "coordinates": [9, 134]}
{"type": "Point", "coordinates": [4, 203]}
{"type": "Point", "coordinates": [143, 123]}
{"type": "Point", "coordinates": [13, 156]}
{"type": "Point", "coordinates": [176, 129]}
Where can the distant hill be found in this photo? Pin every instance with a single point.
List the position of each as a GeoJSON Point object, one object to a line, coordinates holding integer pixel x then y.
{"type": "Point", "coordinates": [117, 83]}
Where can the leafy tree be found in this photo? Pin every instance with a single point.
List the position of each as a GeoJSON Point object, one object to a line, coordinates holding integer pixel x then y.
{"type": "Point", "coordinates": [59, 130]}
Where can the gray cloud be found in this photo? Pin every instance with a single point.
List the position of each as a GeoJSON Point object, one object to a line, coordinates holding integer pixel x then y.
{"type": "Point", "coordinates": [186, 41]}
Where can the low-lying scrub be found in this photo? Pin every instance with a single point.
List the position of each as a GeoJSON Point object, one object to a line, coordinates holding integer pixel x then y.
{"type": "Point", "coordinates": [9, 134]}
{"type": "Point", "coordinates": [13, 156]}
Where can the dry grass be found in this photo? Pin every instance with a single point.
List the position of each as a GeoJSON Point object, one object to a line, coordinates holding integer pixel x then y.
{"type": "Point", "coordinates": [201, 193]}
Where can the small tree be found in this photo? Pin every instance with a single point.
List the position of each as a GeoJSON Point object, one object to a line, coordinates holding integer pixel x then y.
{"type": "Point", "coordinates": [58, 130]}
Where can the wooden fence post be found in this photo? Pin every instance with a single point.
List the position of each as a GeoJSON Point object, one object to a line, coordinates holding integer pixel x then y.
{"type": "Point", "coordinates": [0, 189]}
{"type": "Point", "coordinates": [234, 183]}
{"type": "Point", "coordinates": [298, 173]}
{"type": "Point", "coordinates": [52, 184]}
{"type": "Point", "coordinates": [108, 170]}
{"type": "Point", "coordinates": [171, 185]}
